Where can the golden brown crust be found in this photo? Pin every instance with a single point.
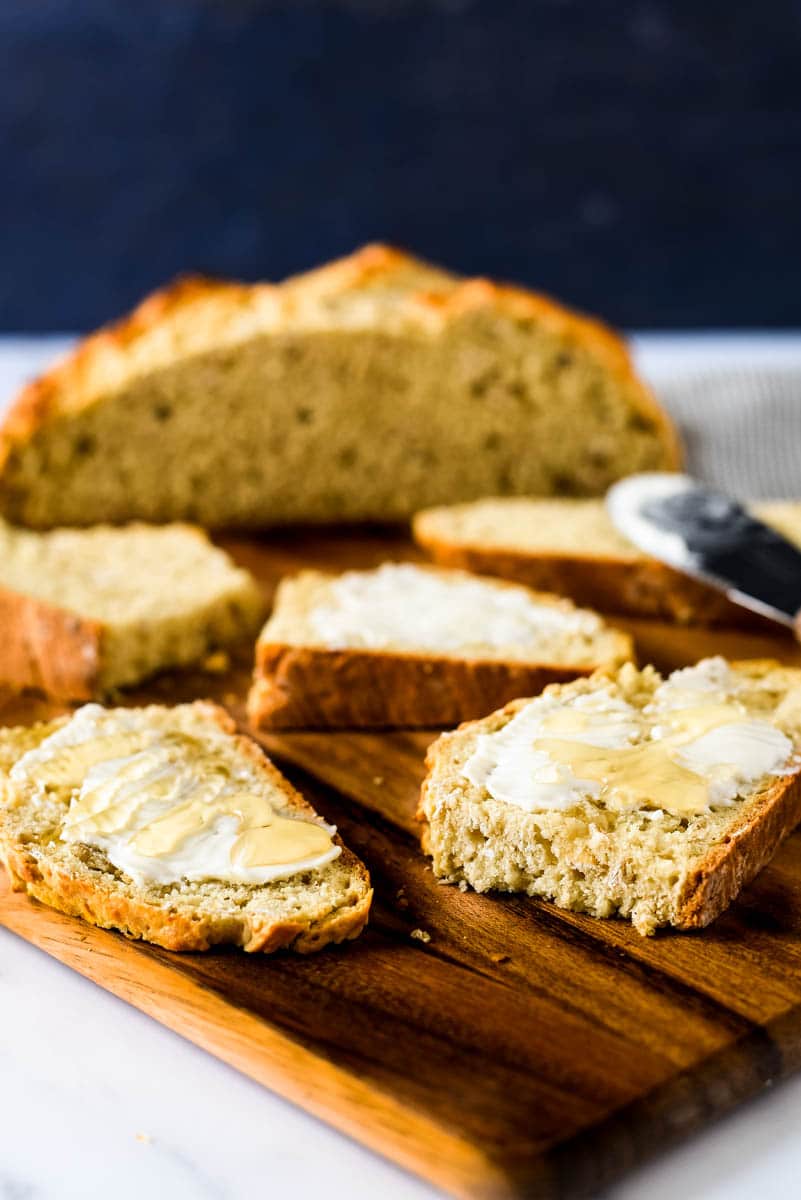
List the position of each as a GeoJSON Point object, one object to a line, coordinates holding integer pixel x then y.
{"type": "Point", "coordinates": [638, 587]}
{"type": "Point", "coordinates": [307, 687]}
{"type": "Point", "coordinates": [187, 929]}
{"type": "Point", "coordinates": [431, 290]}
{"type": "Point", "coordinates": [748, 846]}
{"type": "Point", "coordinates": [46, 647]}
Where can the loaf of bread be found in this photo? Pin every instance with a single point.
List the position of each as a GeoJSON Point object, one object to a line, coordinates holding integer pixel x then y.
{"type": "Point", "coordinates": [365, 390]}
{"type": "Point", "coordinates": [164, 824]}
{"type": "Point", "coordinates": [624, 793]}
{"type": "Point", "coordinates": [84, 612]}
{"type": "Point", "coordinates": [571, 547]}
{"type": "Point", "coordinates": [404, 645]}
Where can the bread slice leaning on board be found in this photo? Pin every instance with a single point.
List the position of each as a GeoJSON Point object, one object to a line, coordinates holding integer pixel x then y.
{"type": "Point", "coordinates": [84, 612]}
{"type": "Point", "coordinates": [625, 794]}
{"type": "Point", "coordinates": [571, 547]}
{"type": "Point", "coordinates": [86, 804]}
{"type": "Point", "coordinates": [407, 645]}
{"type": "Point", "coordinates": [367, 389]}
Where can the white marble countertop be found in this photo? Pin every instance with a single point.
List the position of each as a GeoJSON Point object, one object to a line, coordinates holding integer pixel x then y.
{"type": "Point", "coordinates": [100, 1101]}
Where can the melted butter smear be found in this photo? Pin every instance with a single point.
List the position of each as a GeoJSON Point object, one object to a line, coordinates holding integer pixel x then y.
{"type": "Point", "coordinates": [192, 789]}
{"type": "Point", "coordinates": [67, 765]}
{"type": "Point", "coordinates": [647, 771]}
{"type": "Point", "coordinates": [265, 838]}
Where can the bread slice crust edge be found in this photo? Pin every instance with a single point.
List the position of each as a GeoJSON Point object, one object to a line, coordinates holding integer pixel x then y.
{"type": "Point", "coordinates": [637, 588]}
{"type": "Point", "coordinates": [311, 687]}
{"type": "Point", "coordinates": [49, 648]}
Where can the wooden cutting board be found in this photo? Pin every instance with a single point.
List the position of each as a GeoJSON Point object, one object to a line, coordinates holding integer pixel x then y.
{"type": "Point", "coordinates": [522, 1050]}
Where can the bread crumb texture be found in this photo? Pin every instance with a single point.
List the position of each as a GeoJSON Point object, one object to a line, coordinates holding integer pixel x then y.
{"type": "Point", "coordinates": [370, 388]}
{"type": "Point", "coordinates": [651, 866]}
{"type": "Point", "coordinates": [303, 912]}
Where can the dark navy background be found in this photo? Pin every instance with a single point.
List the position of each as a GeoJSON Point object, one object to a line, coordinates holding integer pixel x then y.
{"type": "Point", "coordinates": [638, 157]}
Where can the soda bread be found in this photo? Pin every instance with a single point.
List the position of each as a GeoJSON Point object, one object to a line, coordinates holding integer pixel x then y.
{"type": "Point", "coordinates": [364, 390]}
{"type": "Point", "coordinates": [86, 611]}
{"type": "Point", "coordinates": [624, 793]}
{"type": "Point", "coordinates": [153, 821]}
{"type": "Point", "coordinates": [571, 547]}
{"type": "Point", "coordinates": [404, 645]}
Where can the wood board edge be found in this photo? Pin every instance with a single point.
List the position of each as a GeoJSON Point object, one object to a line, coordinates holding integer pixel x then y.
{"type": "Point", "coordinates": [258, 1050]}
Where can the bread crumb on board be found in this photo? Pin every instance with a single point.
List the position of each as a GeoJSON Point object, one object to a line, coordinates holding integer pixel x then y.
{"type": "Point", "coordinates": [420, 935]}
{"type": "Point", "coordinates": [217, 663]}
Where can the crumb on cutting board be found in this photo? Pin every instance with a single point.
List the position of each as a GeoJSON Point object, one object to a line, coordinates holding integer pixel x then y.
{"type": "Point", "coordinates": [217, 663]}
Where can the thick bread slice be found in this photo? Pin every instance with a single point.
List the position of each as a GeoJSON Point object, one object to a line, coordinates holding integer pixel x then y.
{"type": "Point", "coordinates": [376, 671]}
{"type": "Point", "coordinates": [365, 390]}
{"type": "Point", "coordinates": [571, 547]}
{"type": "Point", "coordinates": [656, 868]}
{"type": "Point", "coordinates": [87, 611]}
{"type": "Point", "coordinates": [303, 912]}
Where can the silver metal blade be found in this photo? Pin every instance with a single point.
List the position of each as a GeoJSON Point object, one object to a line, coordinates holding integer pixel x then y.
{"type": "Point", "coordinates": [712, 537]}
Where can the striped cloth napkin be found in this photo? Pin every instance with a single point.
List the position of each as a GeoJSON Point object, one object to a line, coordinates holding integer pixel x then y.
{"type": "Point", "coordinates": [741, 427]}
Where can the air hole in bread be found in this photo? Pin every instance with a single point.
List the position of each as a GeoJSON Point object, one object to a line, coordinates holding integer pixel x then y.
{"type": "Point", "coordinates": [85, 444]}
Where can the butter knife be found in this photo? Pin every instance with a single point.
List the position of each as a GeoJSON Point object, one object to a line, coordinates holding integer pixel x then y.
{"type": "Point", "coordinates": [709, 535]}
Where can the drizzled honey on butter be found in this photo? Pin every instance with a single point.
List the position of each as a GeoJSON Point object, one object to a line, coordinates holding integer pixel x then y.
{"type": "Point", "coordinates": [166, 806]}
{"type": "Point", "coordinates": [699, 750]}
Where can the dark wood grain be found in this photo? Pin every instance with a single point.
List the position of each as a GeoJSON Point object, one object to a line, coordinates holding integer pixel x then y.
{"type": "Point", "coordinates": [522, 1051]}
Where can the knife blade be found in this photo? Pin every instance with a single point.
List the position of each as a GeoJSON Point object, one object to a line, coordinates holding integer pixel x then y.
{"type": "Point", "coordinates": [712, 537]}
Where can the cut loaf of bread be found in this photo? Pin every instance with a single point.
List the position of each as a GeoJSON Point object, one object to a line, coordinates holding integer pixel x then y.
{"type": "Point", "coordinates": [304, 912]}
{"type": "Point", "coordinates": [364, 390]}
{"type": "Point", "coordinates": [570, 546]}
{"type": "Point", "coordinates": [635, 860]}
{"type": "Point", "coordinates": [408, 645]}
{"type": "Point", "coordinates": [86, 611]}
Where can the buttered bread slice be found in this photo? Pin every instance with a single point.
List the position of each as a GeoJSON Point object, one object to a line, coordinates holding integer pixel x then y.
{"type": "Point", "coordinates": [406, 645]}
{"type": "Point", "coordinates": [655, 799]}
{"type": "Point", "coordinates": [84, 612]}
{"type": "Point", "coordinates": [571, 547]}
{"type": "Point", "coordinates": [166, 825]}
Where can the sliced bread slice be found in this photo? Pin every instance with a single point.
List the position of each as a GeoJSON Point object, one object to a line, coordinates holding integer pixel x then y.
{"type": "Point", "coordinates": [166, 825]}
{"type": "Point", "coordinates": [624, 793]}
{"type": "Point", "coordinates": [87, 611]}
{"type": "Point", "coordinates": [571, 547]}
{"type": "Point", "coordinates": [406, 645]}
{"type": "Point", "coordinates": [365, 390]}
